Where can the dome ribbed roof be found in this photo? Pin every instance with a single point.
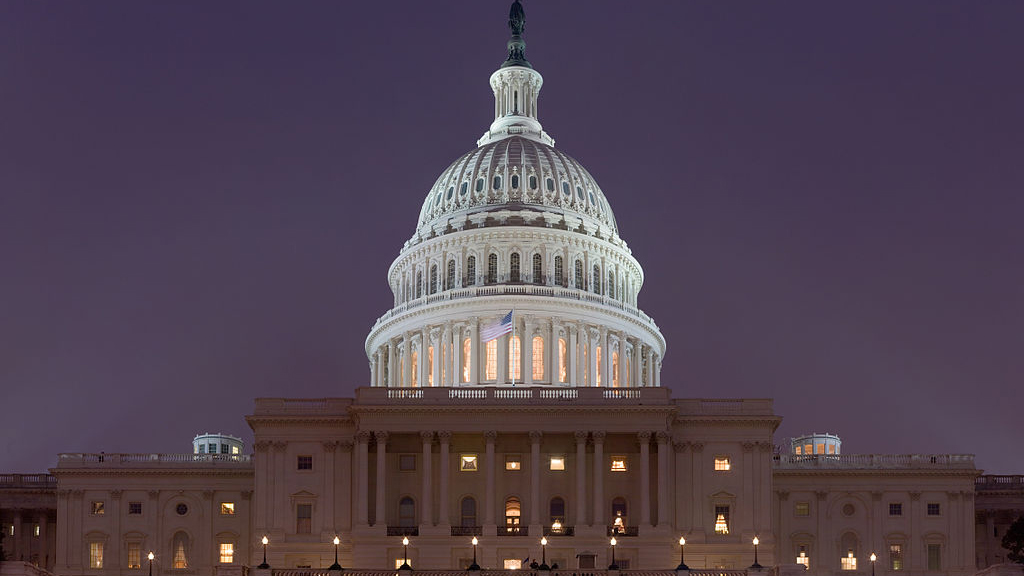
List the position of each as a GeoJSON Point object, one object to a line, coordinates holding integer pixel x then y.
{"type": "Point", "coordinates": [515, 173]}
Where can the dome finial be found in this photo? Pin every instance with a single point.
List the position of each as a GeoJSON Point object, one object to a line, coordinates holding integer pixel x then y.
{"type": "Point", "coordinates": [516, 45]}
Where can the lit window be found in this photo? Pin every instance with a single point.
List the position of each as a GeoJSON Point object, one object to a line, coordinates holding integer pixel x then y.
{"type": "Point", "coordinates": [466, 351]}
{"type": "Point", "coordinates": [467, 463]}
{"type": "Point", "coordinates": [721, 519]}
{"type": "Point", "coordinates": [513, 514]}
{"type": "Point", "coordinates": [802, 509]}
{"type": "Point", "coordinates": [562, 375]}
{"type": "Point", "coordinates": [513, 463]}
{"type": "Point", "coordinates": [935, 557]}
{"type": "Point", "coordinates": [808, 449]}
{"type": "Point", "coordinates": [227, 553]}
{"type": "Point", "coordinates": [135, 507]}
{"type": "Point", "coordinates": [557, 463]}
{"type": "Point", "coordinates": [538, 358]}
{"type": "Point", "coordinates": [96, 554]}
{"type": "Point", "coordinates": [934, 509]}
{"type": "Point", "coordinates": [407, 462]}
{"type": "Point", "coordinates": [303, 518]}
{"type": "Point", "coordinates": [831, 448]}
{"type": "Point", "coordinates": [722, 463]}
{"type": "Point", "coordinates": [615, 369]}
{"type": "Point", "coordinates": [803, 558]}
{"type": "Point", "coordinates": [895, 509]}
{"type": "Point", "coordinates": [97, 508]}
{"type": "Point", "coordinates": [597, 366]}
{"type": "Point", "coordinates": [304, 463]}
{"type": "Point", "coordinates": [895, 556]}
{"type": "Point", "coordinates": [512, 563]}
{"type": "Point", "coordinates": [400, 561]}
{"type": "Point", "coordinates": [618, 464]}
{"type": "Point", "coordinates": [848, 562]}
{"type": "Point", "coordinates": [514, 358]}
{"type": "Point", "coordinates": [35, 530]}
{"type": "Point", "coordinates": [134, 555]}
{"type": "Point", "coordinates": [430, 365]}
{"type": "Point", "coordinates": [415, 368]}
{"type": "Point", "coordinates": [491, 370]}
{"type": "Point", "coordinates": [227, 508]}
{"type": "Point", "coordinates": [179, 547]}
{"type": "Point", "coordinates": [234, 449]}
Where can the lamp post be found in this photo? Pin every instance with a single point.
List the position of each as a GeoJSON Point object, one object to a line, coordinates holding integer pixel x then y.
{"type": "Point", "coordinates": [264, 566]}
{"type": "Point", "coordinates": [682, 563]}
{"type": "Point", "coordinates": [405, 554]}
{"type": "Point", "coordinates": [544, 554]}
{"type": "Point", "coordinates": [336, 566]}
{"type": "Point", "coordinates": [755, 565]}
{"type": "Point", "coordinates": [613, 565]}
{"type": "Point", "coordinates": [873, 558]}
{"type": "Point", "coordinates": [150, 556]}
{"type": "Point", "coordinates": [474, 565]}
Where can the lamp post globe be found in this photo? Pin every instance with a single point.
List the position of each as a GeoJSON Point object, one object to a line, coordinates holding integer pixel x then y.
{"type": "Point", "coordinates": [873, 558]}
{"type": "Point", "coordinates": [150, 557]}
{"type": "Point", "coordinates": [543, 554]}
{"type": "Point", "coordinates": [405, 554]}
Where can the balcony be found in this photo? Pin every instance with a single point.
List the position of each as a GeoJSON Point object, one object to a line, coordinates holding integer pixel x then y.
{"type": "Point", "coordinates": [623, 531]}
{"type": "Point", "coordinates": [563, 531]}
{"type": "Point", "coordinates": [513, 530]}
{"type": "Point", "coordinates": [467, 531]}
{"type": "Point", "coordinates": [403, 531]}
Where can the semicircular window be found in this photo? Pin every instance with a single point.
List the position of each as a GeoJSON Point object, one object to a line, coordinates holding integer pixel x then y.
{"type": "Point", "coordinates": [565, 189]}
{"type": "Point", "coordinates": [551, 185]}
{"type": "Point", "coordinates": [451, 190]}
{"type": "Point", "coordinates": [515, 181]}
{"type": "Point", "coordinates": [464, 189]}
{"type": "Point", "coordinates": [479, 184]}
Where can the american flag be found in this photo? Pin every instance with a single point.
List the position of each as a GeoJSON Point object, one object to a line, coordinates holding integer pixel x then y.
{"type": "Point", "coordinates": [496, 329]}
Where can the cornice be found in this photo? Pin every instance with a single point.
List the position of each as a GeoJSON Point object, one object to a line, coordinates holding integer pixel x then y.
{"type": "Point", "coordinates": [331, 421]}
{"type": "Point", "coordinates": [237, 472]}
{"type": "Point", "coordinates": [464, 409]}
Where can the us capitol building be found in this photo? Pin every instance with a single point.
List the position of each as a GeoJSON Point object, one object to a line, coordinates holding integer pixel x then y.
{"type": "Point", "coordinates": [515, 394]}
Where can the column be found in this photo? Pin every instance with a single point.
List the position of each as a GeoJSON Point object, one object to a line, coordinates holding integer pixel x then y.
{"type": "Point", "coordinates": [44, 541]}
{"type": "Point", "coordinates": [527, 351]}
{"type": "Point", "coordinates": [345, 464]}
{"type": "Point", "coordinates": [422, 360]}
{"type": "Point", "coordinates": [592, 366]}
{"type": "Point", "coordinates": [573, 333]}
{"type": "Point", "coordinates": [684, 499]}
{"type": "Point", "coordinates": [553, 367]}
{"type": "Point", "coordinates": [606, 355]}
{"type": "Point", "coordinates": [656, 366]}
{"type": "Point", "coordinates": [362, 478]}
{"type": "Point", "coordinates": [664, 455]}
{"type": "Point", "coordinates": [329, 521]}
{"type": "Point", "coordinates": [278, 499]}
{"type": "Point", "coordinates": [598, 436]}
{"type": "Point", "coordinates": [697, 467]}
{"type": "Point", "coordinates": [456, 355]}
{"type": "Point", "coordinates": [489, 436]}
{"type": "Point", "coordinates": [16, 552]}
{"type": "Point", "coordinates": [638, 363]}
{"type": "Point", "coordinates": [644, 438]}
{"type": "Point", "coordinates": [503, 344]}
{"type": "Point", "coordinates": [747, 470]}
{"type": "Point", "coordinates": [407, 360]}
{"type": "Point", "coordinates": [990, 525]}
{"type": "Point", "coordinates": [437, 339]}
{"type": "Point", "coordinates": [581, 477]}
{"type": "Point", "coordinates": [382, 494]}
{"type": "Point", "coordinates": [623, 378]}
{"type": "Point", "coordinates": [783, 544]}
{"type": "Point", "coordinates": [449, 366]}
{"type": "Point", "coordinates": [535, 436]}
{"type": "Point", "coordinates": [474, 349]}
{"type": "Point", "coordinates": [426, 501]}
{"type": "Point", "coordinates": [443, 514]}
{"type": "Point", "coordinates": [373, 370]}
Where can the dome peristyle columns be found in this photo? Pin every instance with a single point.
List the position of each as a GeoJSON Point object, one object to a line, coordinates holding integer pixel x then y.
{"type": "Point", "coordinates": [516, 89]}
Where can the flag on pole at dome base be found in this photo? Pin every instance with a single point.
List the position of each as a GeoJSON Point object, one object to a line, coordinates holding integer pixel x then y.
{"type": "Point", "coordinates": [497, 329]}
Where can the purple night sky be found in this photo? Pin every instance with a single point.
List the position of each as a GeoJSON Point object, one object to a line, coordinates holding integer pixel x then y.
{"type": "Point", "coordinates": [199, 202]}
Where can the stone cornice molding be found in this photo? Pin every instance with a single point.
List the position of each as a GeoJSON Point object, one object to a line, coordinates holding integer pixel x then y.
{"type": "Point", "coordinates": [744, 421]}
{"type": "Point", "coordinates": [241, 472]}
{"type": "Point", "coordinates": [906, 472]}
{"type": "Point", "coordinates": [479, 409]}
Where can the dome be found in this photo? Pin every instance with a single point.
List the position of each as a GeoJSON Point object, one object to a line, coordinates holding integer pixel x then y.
{"type": "Point", "coordinates": [515, 173]}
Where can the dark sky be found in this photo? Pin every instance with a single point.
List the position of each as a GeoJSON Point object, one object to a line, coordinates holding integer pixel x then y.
{"type": "Point", "coordinates": [199, 202]}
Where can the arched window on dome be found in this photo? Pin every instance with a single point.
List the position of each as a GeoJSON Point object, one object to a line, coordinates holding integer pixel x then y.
{"type": "Point", "coordinates": [419, 283]}
{"type": "Point", "coordinates": [611, 284]}
{"type": "Point", "coordinates": [615, 369]}
{"type": "Point", "coordinates": [597, 280]}
{"type": "Point", "coordinates": [533, 182]}
{"type": "Point", "coordinates": [562, 357]}
{"type": "Point", "coordinates": [430, 365]}
{"type": "Point", "coordinates": [450, 279]}
{"type": "Point", "coordinates": [471, 271]}
{"type": "Point", "coordinates": [515, 181]}
{"type": "Point", "coordinates": [433, 279]}
{"type": "Point", "coordinates": [492, 268]}
{"type": "Point", "coordinates": [538, 358]}
{"type": "Point", "coordinates": [559, 272]}
{"type": "Point", "coordinates": [479, 184]}
{"type": "Point", "coordinates": [513, 267]}
{"type": "Point", "coordinates": [597, 366]}
{"type": "Point", "coordinates": [497, 182]}
{"type": "Point", "coordinates": [467, 359]}
{"type": "Point", "coordinates": [491, 365]}
{"type": "Point", "coordinates": [578, 276]}
{"type": "Point", "coordinates": [538, 269]}
{"type": "Point", "coordinates": [515, 358]}
{"type": "Point", "coordinates": [550, 184]}
{"type": "Point", "coordinates": [415, 369]}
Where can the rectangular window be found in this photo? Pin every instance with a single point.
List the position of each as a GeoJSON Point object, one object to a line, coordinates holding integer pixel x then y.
{"type": "Point", "coordinates": [722, 463]}
{"type": "Point", "coordinates": [491, 363]}
{"type": "Point", "coordinates": [618, 465]}
{"type": "Point", "coordinates": [934, 509]}
{"type": "Point", "coordinates": [202, 448]}
{"type": "Point", "coordinates": [227, 508]}
{"type": "Point", "coordinates": [304, 463]}
{"type": "Point", "coordinates": [303, 518]}
{"type": "Point", "coordinates": [97, 508]}
{"type": "Point", "coordinates": [227, 553]}
{"type": "Point", "coordinates": [135, 507]}
{"type": "Point", "coordinates": [134, 555]}
{"type": "Point", "coordinates": [623, 564]}
{"type": "Point", "coordinates": [848, 562]}
{"type": "Point", "coordinates": [213, 448]}
{"type": "Point", "coordinates": [96, 554]}
{"type": "Point", "coordinates": [895, 556]}
{"type": "Point", "coordinates": [513, 462]}
{"type": "Point", "coordinates": [400, 561]}
{"type": "Point", "coordinates": [587, 561]}
{"type": "Point", "coordinates": [467, 463]}
{"type": "Point", "coordinates": [512, 564]}
{"type": "Point", "coordinates": [225, 449]}
{"type": "Point", "coordinates": [935, 557]}
{"type": "Point", "coordinates": [802, 509]}
{"type": "Point", "coordinates": [895, 509]}
{"type": "Point", "coordinates": [721, 519]}
{"type": "Point", "coordinates": [35, 530]}
{"type": "Point", "coordinates": [406, 462]}
{"type": "Point", "coordinates": [803, 558]}
{"type": "Point", "coordinates": [557, 463]}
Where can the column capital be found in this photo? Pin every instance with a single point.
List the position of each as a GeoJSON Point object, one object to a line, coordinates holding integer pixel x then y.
{"type": "Point", "coordinates": [381, 436]}
{"type": "Point", "coordinates": [821, 494]}
{"type": "Point", "coordinates": [581, 436]}
{"type": "Point", "coordinates": [345, 445]}
{"type": "Point", "coordinates": [783, 495]}
{"type": "Point", "coordinates": [363, 436]}
{"type": "Point", "coordinates": [598, 436]}
{"type": "Point", "coordinates": [280, 445]}
{"type": "Point", "coordinates": [330, 445]}
{"type": "Point", "coordinates": [764, 446]}
{"type": "Point", "coordinates": [680, 446]}
{"type": "Point", "coordinates": [444, 436]}
{"type": "Point", "coordinates": [663, 437]}
{"type": "Point", "coordinates": [643, 437]}
{"type": "Point", "coordinates": [535, 436]}
{"type": "Point", "coordinates": [154, 494]}
{"type": "Point", "coordinates": [115, 494]}
{"type": "Point", "coordinates": [261, 446]}
{"type": "Point", "coordinates": [207, 494]}
{"type": "Point", "coordinates": [915, 495]}
{"type": "Point", "coordinates": [876, 496]}
{"type": "Point", "coordinates": [748, 447]}
{"type": "Point", "coordinates": [697, 446]}
{"type": "Point", "coordinates": [490, 436]}
{"type": "Point", "coordinates": [427, 436]}
{"type": "Point", "coordinates": [247, 494]}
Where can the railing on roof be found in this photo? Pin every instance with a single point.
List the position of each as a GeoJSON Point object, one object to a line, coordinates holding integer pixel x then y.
{"type": "Point", "coordinates": [302, 405]}
{"type": "Point", "coordinates": [28, 481]}
{"type": "Point", "coordinates": [117, 459]}
{"type": "Point", "coordinates": [872, 461]}
{"type": "Point", "coordinates": [513, 395]}
{"type": "Point", "coordinates": [999, 482]}
{"type": "Point", "coordinates": [725, 406]}
{"type": "Point", "coordinates": [493, 572]}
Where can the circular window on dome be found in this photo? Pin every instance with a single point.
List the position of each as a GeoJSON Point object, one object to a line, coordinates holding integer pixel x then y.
{"type": "Point", "coordinates": [565, 189]}
{"type": "Point", "coordinates": [848, 509]}
{"type": "Point", "coordinates": [451, 190]}
{"type": "Point", "coordinates": [181, 509]}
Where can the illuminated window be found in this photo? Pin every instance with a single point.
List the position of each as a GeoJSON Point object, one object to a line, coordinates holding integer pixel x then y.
{"type": "Point", "coordinates": [934, 509]}
{"type": "Point", "coordinates": [808, 449]}
{"type": "Point", "coordinates": [491, 351]}
{"type": "Point", "coordinates": [802, 509]}
{"type": "Point", "coordinates": [597, 365]}
{"type": "Point", "coordinates": [538, 358]}
{"type": "Point", "coordinates": [557, 463]}
{"type": "Point", "coordinates": [831, 448]}
{"type": "Point", "coordinates": [234, 450]}
{"type": "Point", "coordinates": [513, 513]}
{"type": "Point", "coordinates": [227, 553]}
{"type": "Point", "coordinates": [406, 462]}
{"type": "Point", "coordinates": [400, 561]}
{"type": "Point", "coordinates": [97, 508]}
{"type": "Point", "coordinates": [895, 556]}
{"type": "Point", "coordinates": [721, 519]}
{"type": "Point", "coordinates": [935, 557]}
{"type": "Point", "coordinates": [303, 518]}
{"type": "Point", "coordinates": [848, 562]}
{"type": "Point", "coordinates": [514, 358]}
{"type": "Point", "coordinates": [615, 369]}
{"type": "Point", "coordinates": [803, 558]}
{"type": "Point", "coordinates": [512, 564]}
{"type": "Point", "coordinates": [134, 555]}
{"type": "Point", "coordinates": [798, 450]}
{"type": "Point", "coordinates": [227, 508]}
{"type": "Point", "coordinates": [722, 463]}
{"type": "Point", "coordinates": [619, 513]}
{"type": "Point", "coordinates": [35, 530]}
{"type": "Point", "coordinates": [415, 368]}
{"type": "Point", "coordinates": [561, 360]}
{"type": "Point", "coordinates": [96, 554]}
{"type": "Point", "coordinates": [467, 463]}
{"type": "Point", "coordinates": [513, 462]}
{"type": "Point", "coordinates": [618, 464]}
{"type": "Point", "coordinates": [304, 462]}
{"type": "Point", "coordinates": [895, 509]}
{"type": "Point", "coordinates": [179, 547]}
{"type": "Point", "coordinates": [819, 448]}
{"type": "Point", "coordinates": [430, 365]}
{"type": "Point", "coordinates": [467, 348]}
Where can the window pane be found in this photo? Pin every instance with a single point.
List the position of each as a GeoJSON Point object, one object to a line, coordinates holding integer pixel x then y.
{"type": "Point", "coordinates": [514, 358]}
{"type": "Point", "coordinates": [227, 508]}
{"type": "Point", "coordinates": [538, 358]}
{"type": "Point", "coordinates": [96, 554]}
{"type": "Point", "coordinates": [227, 553]}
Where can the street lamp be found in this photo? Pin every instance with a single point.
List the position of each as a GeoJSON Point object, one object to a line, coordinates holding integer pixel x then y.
{"type": "Point", "coordinates": [873, 558]}
{"type": "Point", "coordinates": [474, 565]}
{"type": "Point", "coordinates": [336, 566]}
{"type": "Point", "coordinates": [544, 554]}
{"type": "Point", "coordinates": [755, 565]}
{"type": "Point", "coordinates": [264, 566]}
{"type": "Point", "coordinates": [150, 556]}
{"type": "Point", "coordinates": [613, 565]}
{"type": "Point", "coordinates": [405, 554]}
{"type": "Point", "coordinates": [682, 564]}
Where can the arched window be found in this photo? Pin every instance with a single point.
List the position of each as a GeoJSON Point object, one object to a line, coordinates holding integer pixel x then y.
{"type": "Point", "coordinates": [615, 369]}
{"type": "Point", "coordinates": [597, 365]}
{"type": "Point", "coordinates": [513, 512]}
{"type": "Point", "coordinates": [515, 181]}
{"type": "Point", "coordinates": [471, 271]}
{"type": "Point", "coordinates": [533, 182]}
{"type": "Point", "coordinates": [419, 283]}
{"type": "Point", "coordinates": [491, 350]}
{"type": "Point", "coordinates": [597, 280]}
{"type": "Point", "coordinates": [497, 182]}
{"type": "Point", "coordinates": [513, 267]}
{"type": "Point", "coordinates": [611, 285]}
{"type": "Point", "coordinates": [406, 512]}
{"type": "Point", "coordinates": [557, 509]}
{"type": "Point", "coordinates": [467, 360]}
{"type": "Point", "coordinates": [562, 357]}
{"type": "Point", "coordinates": [578, 277]}
{"type": "Point", "coordinates": [550, 184]}
{"type": "Point", "coordinates": [468, 509]}
{"type": "Point", "coordinates": [850, 550]}
{"type": "Point", "coordinates": [538, 269]}
{"type": "Point", "coordinates": [479, 184]}
{"type": "Point", "coordinates": [538, 358]}
{"type": "Point", "coordinates": [620, 518]}
{"type": "Point", "coordinates": [492, 268]}
{"type": "Point", "coordinates": [430, 365]}
{"type": "Point", "coordinates": [514, 358]}
{"type": "Point", "coordinates": [450, 281]}
{"type": "Point", "coordinates": [180, 549]}
{"type": "Point", "coordinates": [559, 272]}
{"type": "Point", "coordinates": [433, 279]}
{"type": "Point", "coordinates": [415, 367]}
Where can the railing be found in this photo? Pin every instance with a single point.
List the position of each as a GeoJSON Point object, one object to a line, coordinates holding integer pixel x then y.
{"type": "Point", "coordinates": [563, 531]}
{"type": "Point", "coordinates": [999, 482]}
{"type": "Point", "coordinates": [546, 395]}
{"type": "Point", "coordinates": [513, 530]}
{"type": "Point", "coordinates": [302, 406]}
{"type": "Point", "coordinates": [403, 531]}
{"type": "Point", "coordinates": [620, 531]}
{"type": "Point", "coordinates": [467, 531]}
{"type": "Point", "coordinates": [115, 459]}
{"type": "Point", "coordinates": [28, 481]}
{"type": "Point", "coordinates": [724, 406]}
{"type": "Point", "coordinates": [872, 461]}
{"type": "Point", "coordinates": [494, 572]}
